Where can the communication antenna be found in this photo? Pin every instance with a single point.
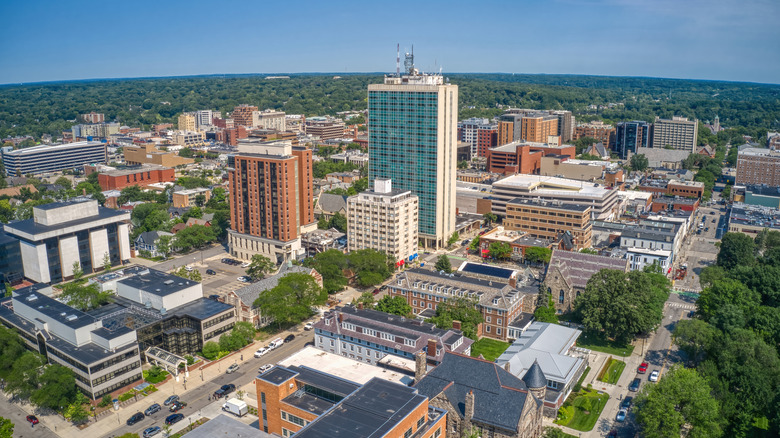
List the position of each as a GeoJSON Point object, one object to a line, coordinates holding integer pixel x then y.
{"type": "Point", "coordinates": [398, 60]}
{"type": "Point", "coordinates": [409, 62]}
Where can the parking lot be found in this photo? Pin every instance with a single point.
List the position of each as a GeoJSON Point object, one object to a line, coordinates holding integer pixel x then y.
{"type": "Point", "coordinates": [225, 277]}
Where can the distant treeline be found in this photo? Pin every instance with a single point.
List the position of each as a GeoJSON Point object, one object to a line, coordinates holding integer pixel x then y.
{"type": "Point", "coordinates": [37, 109]}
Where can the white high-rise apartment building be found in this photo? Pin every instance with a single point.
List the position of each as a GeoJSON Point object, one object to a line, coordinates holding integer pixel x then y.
{"type": "Point", "coordinates": [383, 219]}
{"type": "Point", "coordinates": [678, 133]}
{"type": "Point", "coordinates": [204, 118]}
{"type": "Point", "coordinates": [270, 119]}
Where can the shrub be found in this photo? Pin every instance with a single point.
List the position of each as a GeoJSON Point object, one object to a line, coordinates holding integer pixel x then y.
{"type": "Point", "coordinates": [127, 396]}
{"type": "Point", "coordinates": [155, 375]}
{"type": "Point", "coordinates": [105, 401]}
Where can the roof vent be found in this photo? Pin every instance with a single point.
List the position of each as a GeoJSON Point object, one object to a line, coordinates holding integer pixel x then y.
{"type": "Point", "coordinates": [32, 297]}
{"type": "Point", "coordinates": [72, 317]}
{"type": "Point", "coordinates": [168, 282]}
{"type": "Point", "coordinates": [163, 311]}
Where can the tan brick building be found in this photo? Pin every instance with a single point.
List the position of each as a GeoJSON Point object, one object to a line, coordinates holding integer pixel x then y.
{"type": "Point", "coordinates": [550, 219]}
{"type": "Point", "coordinates": [604, 134]}
{"type": "Point", "coordinates": [758, 166]}
{"type": "Point", "coordinates": [537, 127]}
{"type": "Point", "coordinates": [186, 198]}
{"type": "Point", "coordinates": [149, 154]}
{"type": "Point", "coordinates": [245, 115]}
{"type": "Point", "coordinates": [186, 122]}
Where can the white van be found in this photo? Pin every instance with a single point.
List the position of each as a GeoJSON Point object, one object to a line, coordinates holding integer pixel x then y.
{"type": "Point", "coordinates": [278, 342]}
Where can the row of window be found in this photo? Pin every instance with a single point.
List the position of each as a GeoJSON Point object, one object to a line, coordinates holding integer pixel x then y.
{"type": "Point", "coordinates": [294, 419]}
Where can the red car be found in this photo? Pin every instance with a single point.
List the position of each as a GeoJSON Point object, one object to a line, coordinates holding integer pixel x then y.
{"type": "Point", "coordinates": [32, 419]}
{"type": "Point", "coordinates": [642, 368]}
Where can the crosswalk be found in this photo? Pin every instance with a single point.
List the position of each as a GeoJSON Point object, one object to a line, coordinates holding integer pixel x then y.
{"type": "Point", "coordinates": [682, 306]}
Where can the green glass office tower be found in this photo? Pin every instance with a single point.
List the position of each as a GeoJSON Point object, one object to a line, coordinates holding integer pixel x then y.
{"type": "Point", "coordinates": [412, 125]}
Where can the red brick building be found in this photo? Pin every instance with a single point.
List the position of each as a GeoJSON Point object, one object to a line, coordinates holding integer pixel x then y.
{"type": "Point", "coordinates": [523, 157]}
{"type": "Point", "coordinates": [141, 176]}
{"type": "Point", "coordinates": [666, 203]}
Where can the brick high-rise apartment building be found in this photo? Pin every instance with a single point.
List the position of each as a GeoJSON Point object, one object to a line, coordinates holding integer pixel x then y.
{"type": "Point", "coordinates": [604, 134]}
{"type": "Point", "coordinates": [758, 166]}
{"type": "Point", "coordinates": [270, 199]}
{"type": "Point", "coordinates": [187, 122]}
{"type": "Point", "coordinates": [93, 118]}
{"type": "Point", "coordinates": [550, 219]}
{"type": "Point", "coordinates": [481, 134]}
{"type": "Point", "coordinates": [537, 127]}
{"type": "Point", "coordinates": [245, 115]}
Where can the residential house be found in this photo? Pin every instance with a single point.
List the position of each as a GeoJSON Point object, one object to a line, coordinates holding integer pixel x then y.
{"type": "Point", "coordinates": [243, 299]}
{"type": "Point", "coordinates": [329, 204]}
{"type": "Point", "coordinates": [148, 240]}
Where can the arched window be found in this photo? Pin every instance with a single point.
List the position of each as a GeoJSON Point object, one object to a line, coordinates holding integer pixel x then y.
{"type": "Point", "coordinates": [561, 296]}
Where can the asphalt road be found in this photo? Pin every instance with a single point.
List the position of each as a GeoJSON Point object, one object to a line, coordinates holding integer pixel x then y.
{"type": "Point", "coordinates": [197, 256]}
{"type": "Point", "coordinates": [197, 398]}
{"type": "Point", "coordinates": [22, 428]}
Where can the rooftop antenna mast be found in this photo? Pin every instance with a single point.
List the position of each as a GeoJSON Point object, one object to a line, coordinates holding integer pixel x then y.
{"type": "Point", "coordinates": [398, 60]}
{"type": "Point", "coordinates": [409, 62]}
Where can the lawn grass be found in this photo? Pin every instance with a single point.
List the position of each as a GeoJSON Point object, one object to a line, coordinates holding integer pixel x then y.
{"type": "Point", "coordinates": [582, 411]}
{"type": "Point", "coordinates": [597, 342]}
{"type": "Point", "coordinates": [614, 368]}
{"type": "Point", "coordinates": [490, 349]}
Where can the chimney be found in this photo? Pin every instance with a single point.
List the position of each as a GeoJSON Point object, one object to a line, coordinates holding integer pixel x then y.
{"type": "Point", "coordinates": [420, 366]}
{"type": "Point", "coordinates": [456, 325]}
{"type": "Point", "coordinates": [506, 367]}
{"type": "Point", "coordinates": [341, 318]}
{"type": "Point", "coordinates": [360, 306]}
{"type": "Point", "coordinates": [468, 413]}
{"type": "Point", "coordinates": [432, 347]}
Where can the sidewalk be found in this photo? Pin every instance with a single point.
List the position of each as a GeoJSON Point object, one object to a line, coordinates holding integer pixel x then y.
{"type": "Point", "coordinates": [106, 425]}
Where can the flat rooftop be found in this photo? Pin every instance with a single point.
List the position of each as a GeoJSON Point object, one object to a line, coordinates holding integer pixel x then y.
{"type": "Point", "coordinates": [345, 368]}
{"type": "Point", "coordinates": [54, 309]}
{"type": "Point", "coordinates": [134, 170]}
{"type": "Point", "coordinates": [47, 148]}
{"type": "Point", "coordinates": [226, 426]}
{"type": "Point", "coordinates": [540, 203]}
{"type": "Point", "coordinates": [511, 147]}
{"type": "Point", "coordinates": [551, 185]}
{"type": "Point", "coordinates": [157, 282]}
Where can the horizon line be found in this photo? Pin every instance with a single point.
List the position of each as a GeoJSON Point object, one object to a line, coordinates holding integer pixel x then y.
{"type": "Point", "coordinates": [205, 75]}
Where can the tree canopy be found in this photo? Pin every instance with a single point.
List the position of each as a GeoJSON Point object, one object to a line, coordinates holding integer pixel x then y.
{"type": "Point", "coordinates": [443, 264]}
{"type": "Point", "coordinates": [395, 305]}
{"type": "Point", "coordinates": [291, 301]}
{"type": "Point", "coordinates": [259, 266]}
{"type": "Point", "coordinates": [458, 309]}
{"type": "Point", "coordinates": [623, 305]}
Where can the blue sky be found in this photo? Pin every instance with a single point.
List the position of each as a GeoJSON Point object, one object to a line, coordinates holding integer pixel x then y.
{"type": "Point", "coordinates": [42, 40]}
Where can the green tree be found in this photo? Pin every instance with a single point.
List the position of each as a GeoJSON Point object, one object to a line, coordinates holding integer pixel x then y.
{"type": "Point", "coordinates": [366, 299]}
{"type": "Point", "coordinates": [164, 245]}
{"type": "Point", "coordinates": [443, 264]}
{"type": "Point", "coordinates": [25, 373]}
{"type": "Point", "coordinates": [57, 387]}
{"type": "Point", "coordinates": [623, 305]}
{"type": "Point", "coordinates": [458, 309]}
{"type": "Point", "coordinates": [695, 337]}
{"type": "Point", "coordinates": [210, 350]}
{"type": "Point", "coordinates": [75, 412]}
{"type": "Point", "coordinates": [64, 183]}
{"type": "Point", "coordinates": [727, 304]}
{"type": "Point", "coordinates": [323, 223]}
{"type": "Point", "coordinates": [245, 330]}
{"type": "Point", "coordinates": [453, 238]}
{"type": "Point", "coordinates": [195, 236]}
{"type": "Point", "coordinates": [545, 311]}
{"type": "Point", "coordinates": [710, 274]}
{"type": "Point", "coordinates": [339, 222]}
{"type": "Point", "coordinates": [106, 262]}
{"type": "Point", "coordinates": [679, 404]}
{"type": "Point", "coordinates": [84, 296]}
{"type": "Point", "coordinates": [259, 266]}
{"type": "Point", "coordinates": [200, 200]}
{"type": "Point", "coordinates": [396, 305]}
{"type": "Point", "coordinates": [639, 162]}
{"type": "Point", "coordinates": [500, 250]}
{"type": "Point", "coordinates": [11, 348]}
{"type": "Point", "coordinates": [537, 254]}
{"type": "Point", "coordinates": [77, 271]}
{"type": "Point", "coordinates": [554, 432]}
{"type": "Point", "coordinates": [371, 266]}
{"type": "Point", "coordinates": [489, 218]}
{"type": "Point", "coordinates": [735, 249]}
{"type": "Point", "coordinates": [291, 301]}
{"type": "Point", "coordinates": [331, 265]}
{"type": "Point", "coordinates": [474, 244]}
{"type": "Point", "coordinates": [6, 428]}
{"type": "Point", "coordinates": [361, 185]}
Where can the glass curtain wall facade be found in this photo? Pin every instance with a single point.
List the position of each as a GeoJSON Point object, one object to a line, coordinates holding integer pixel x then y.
{"type": "Point", "coordinates": [412, 132]}
{"type": "Point", "coordinates": [629, 136]}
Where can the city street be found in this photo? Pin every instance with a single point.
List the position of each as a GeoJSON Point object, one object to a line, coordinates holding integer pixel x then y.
{"type": "Point", "coordinates": [22, 428]}
{"type": "Point", "coordinates": [197, 398]}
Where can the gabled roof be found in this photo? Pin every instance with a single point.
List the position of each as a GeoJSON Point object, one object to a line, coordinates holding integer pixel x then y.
{"type": "Point", "coordinates": [598, 149]}
{"type": "Point", "coordinates": [499, 397]}
{"type": "Point", "coordinates": [150, 237]}
{"type": "Point", "coordinates": [578, 267]}
{"type": "Point", "coordinates": [546, 345]}
{"type": "Point", "coordinates": [331, 203]}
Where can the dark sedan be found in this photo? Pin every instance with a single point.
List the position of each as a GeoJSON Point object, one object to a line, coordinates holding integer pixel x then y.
{"type": "Point", "coordinates": [135, 418]}
{"type": "Point", "coordinates": [177, 406]}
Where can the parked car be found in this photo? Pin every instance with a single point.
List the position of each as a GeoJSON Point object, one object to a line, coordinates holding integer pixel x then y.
{"type": "Point", "coordinates": [151, 431]}
{"type": "Point", "coordinates": [177, 406]}
{"type": "Point", "coordinates": [170, 400]}
{"type": "Point", "coordinates": [691, 313]}
{"type": "Point", "coordinates": [214, 297]}
{"type": "Point", "coordinates": [173, 419]}
{"type": "Point", "coordinates": [228, 388]}
{"type": "Point", "coordinates": [714, 220]}
{"type": "Point", "coordinates": [265, 368]}
{"type": "Point", "coordinates": [634, 386]}
{"type": "Point", "coordinates": [226, 260]}
{"type": "Point", "coordinates": [232, 369]}
{"type": "Point", "coordinates": [289, 338]}
{"type": "Point", "coordinates": [245, 264]}
{"type": "Point", "coordinates": [32, 419]}
{"type": "Point", "coordinates": [621, 416]}
{"type": "Point", "coordinates": [466, 242]}
{"type": "Point", "coordinates": [244, 279]}
{"type": "Point", "coordinates": [153, 409]}
{"type": "Point", "coordinates": [654, 376]}
{"type": "Point", "coordinates": [642, 368]}
{"type": "Point", "coordinates": [626, 403]}
{"type": "Point", "coordinates": [376, 291]}
{"type": "Point", "coordinates": [189, 268]}
{"type": "Point", "coordinates": [262, 351]}
{"type": "Point", "coordinates": [211, 272]}
{"type": "Point", "coordinates": [135, 418]}
{"type": "Point", "coordinates": [308, 326]}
